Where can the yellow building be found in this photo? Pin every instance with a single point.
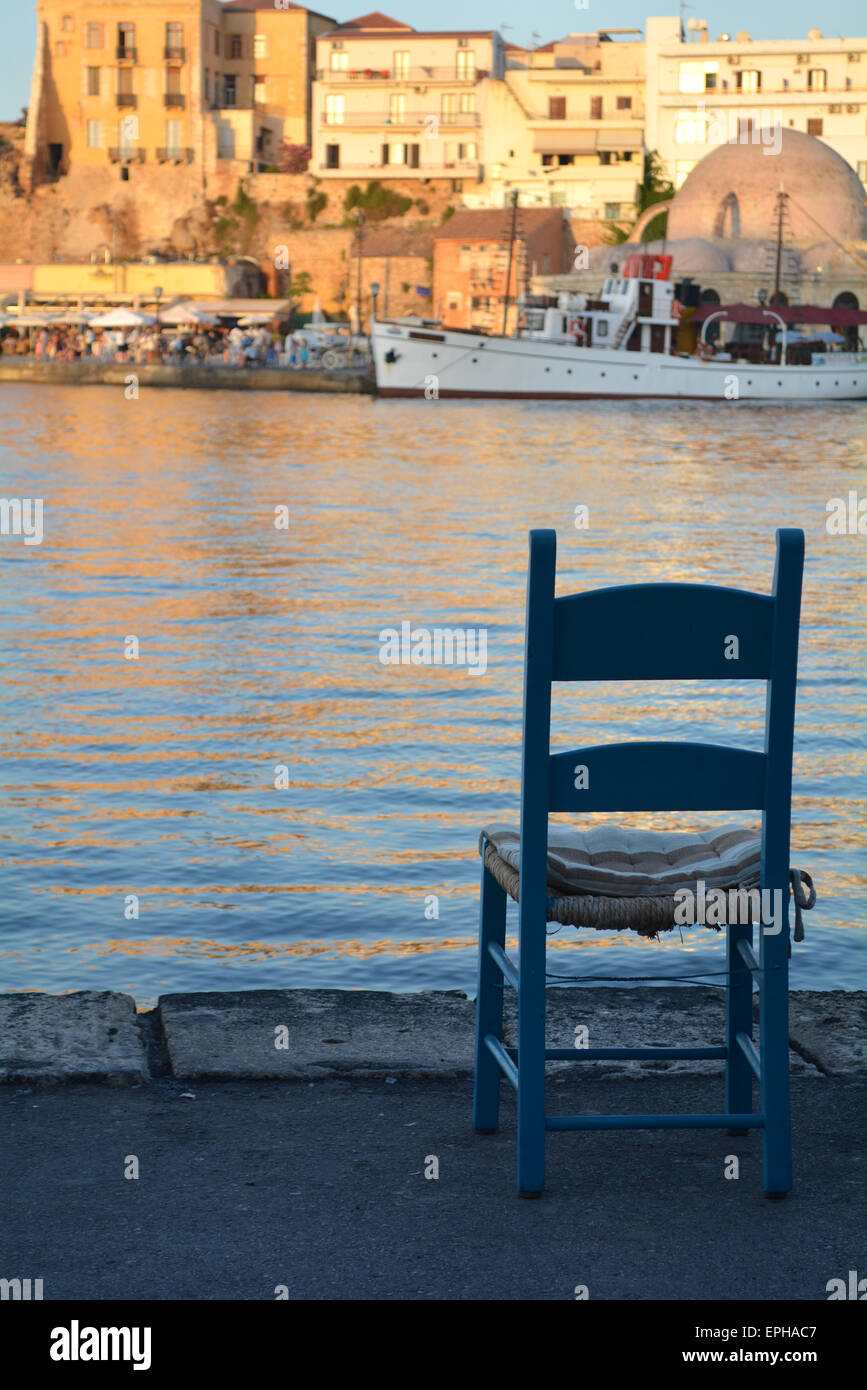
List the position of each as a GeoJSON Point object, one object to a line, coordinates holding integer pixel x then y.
{"type": "Point", "coordinates": [169, 82]}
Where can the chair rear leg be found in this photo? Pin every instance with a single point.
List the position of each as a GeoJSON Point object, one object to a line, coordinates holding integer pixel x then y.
{"type": "Point", "coordinates": [489, 1006]}
{"type": "Point", "coordinates": [774, 1048]}
{"type": "Point", "coordinates": [531, 1060]}
{"type": "Point", "coordinates": [739, 1019]}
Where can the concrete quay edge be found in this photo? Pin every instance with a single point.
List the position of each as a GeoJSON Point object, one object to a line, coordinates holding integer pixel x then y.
{"type": "Point", "coordinates": [301, 1034]}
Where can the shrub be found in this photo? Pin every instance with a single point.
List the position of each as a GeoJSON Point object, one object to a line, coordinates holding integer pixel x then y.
{"type": "Point", "coordinates": [293, 159]}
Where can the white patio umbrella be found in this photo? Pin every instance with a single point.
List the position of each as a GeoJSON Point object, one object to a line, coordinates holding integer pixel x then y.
{"type": "Point", "coordinates": [256, 320]}
{"type": "Point", "coordinates": [188, 313]}
{"type": "Point", "coordinates": [27, 320]}
{"type": "Point", "coordinates": [73, 317]}
{"type": "Point", "coordinates": [123, 318]}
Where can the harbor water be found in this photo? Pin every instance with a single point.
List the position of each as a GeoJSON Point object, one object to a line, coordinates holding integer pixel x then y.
{"type": "Point", "coordinates": [212, 779]}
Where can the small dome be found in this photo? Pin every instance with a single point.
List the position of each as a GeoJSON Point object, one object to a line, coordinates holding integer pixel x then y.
{"type": "Point", "coordinates": [732, 192]}
{"type": "Point", "coordinates": [692, 256]}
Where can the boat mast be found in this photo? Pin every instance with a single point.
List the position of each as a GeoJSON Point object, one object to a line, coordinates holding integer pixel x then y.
{"type": "Point", "coordinates": [512, 231]}
{"type": "Point", "coordinates": [781, 205]}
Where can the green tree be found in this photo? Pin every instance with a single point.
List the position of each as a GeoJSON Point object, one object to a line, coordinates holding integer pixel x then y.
{"type": "Point", "coordinates": [655, 188]}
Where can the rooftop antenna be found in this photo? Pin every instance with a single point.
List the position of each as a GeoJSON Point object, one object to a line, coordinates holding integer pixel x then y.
{"type": "Point", "coordinates": [683, 6]}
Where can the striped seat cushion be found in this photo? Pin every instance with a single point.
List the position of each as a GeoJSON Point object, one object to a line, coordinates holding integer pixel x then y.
{"type": "Point", "coordinates": [616, 879]}
{"type": "Point", "coordinates": [614, 861]}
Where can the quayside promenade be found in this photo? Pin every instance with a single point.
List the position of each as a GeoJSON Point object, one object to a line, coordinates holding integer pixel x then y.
{"type": "Point", "coordinates": [199, 377]}
{"type": "Point", "coordinates": [343, 1164]}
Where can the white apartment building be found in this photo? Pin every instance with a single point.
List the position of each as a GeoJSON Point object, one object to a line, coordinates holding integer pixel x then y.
{"type": "Point", "coordinates": [390, 101]}
{"type": "Point", "coordinates": [699, 88]}
{"type": "Point", "coordinates": [566, 127]}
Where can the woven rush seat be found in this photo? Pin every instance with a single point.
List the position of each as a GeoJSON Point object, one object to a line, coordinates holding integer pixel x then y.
{"type": "Point", "coordinates": [613, 878]}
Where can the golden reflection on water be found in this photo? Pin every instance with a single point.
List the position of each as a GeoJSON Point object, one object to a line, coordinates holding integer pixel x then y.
{"type": "Point", "coordinates": [259, 648]}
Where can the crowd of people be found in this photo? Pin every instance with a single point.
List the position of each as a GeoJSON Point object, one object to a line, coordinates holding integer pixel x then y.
{"type": "Point", "coordinates": [213, 346]}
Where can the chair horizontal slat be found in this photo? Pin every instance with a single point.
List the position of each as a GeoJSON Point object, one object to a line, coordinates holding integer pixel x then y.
{"type": "Point", "coordinates": [657, 777]}
{"type": "Point", "coordinates": [663, 632]}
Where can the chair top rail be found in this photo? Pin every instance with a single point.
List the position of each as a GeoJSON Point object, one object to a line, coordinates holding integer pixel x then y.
{"type": "Point", "coordinates": [656, 776]}
{"type": "Point", "coordinates": [663, 632]}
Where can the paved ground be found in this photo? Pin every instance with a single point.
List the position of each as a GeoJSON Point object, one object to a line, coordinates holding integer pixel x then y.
{"type": "Point", "coordinates": [320, 1187]}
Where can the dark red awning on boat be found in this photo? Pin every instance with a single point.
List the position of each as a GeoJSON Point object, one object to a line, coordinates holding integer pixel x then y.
{"type": "Point", "coordinates": [839, 317]}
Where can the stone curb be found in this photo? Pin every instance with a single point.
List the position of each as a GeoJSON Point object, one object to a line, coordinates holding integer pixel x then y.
{"type": "Point", "coordinates": [315, 1034]}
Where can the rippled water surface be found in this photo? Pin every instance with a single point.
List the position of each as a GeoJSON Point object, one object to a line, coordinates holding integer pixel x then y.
{"type": "Point", "coordinates": [259, 649]}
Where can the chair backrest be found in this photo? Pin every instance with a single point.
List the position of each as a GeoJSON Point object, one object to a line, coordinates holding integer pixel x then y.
{"type": "Point", "coordinates": [660, 632]}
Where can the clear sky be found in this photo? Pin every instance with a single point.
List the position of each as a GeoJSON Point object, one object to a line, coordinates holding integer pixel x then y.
{"type": "Point", "coordinates": [517, 20]}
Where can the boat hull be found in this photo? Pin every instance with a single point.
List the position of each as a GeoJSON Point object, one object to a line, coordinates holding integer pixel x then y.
{"type": "Point", "coordinates": [437, 363]}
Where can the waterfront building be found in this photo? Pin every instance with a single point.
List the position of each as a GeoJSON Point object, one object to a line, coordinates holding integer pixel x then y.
{"type": "Point", "coordinates": [188, 82]}
{"type": "Point", "coordinates": [391, 101]}
{"type": "Point", "coordinates": [478, 263]}
{"type": "Point", "coordinates": [699, 90]}
{"type": "Point", "coordinates": [566, 127]}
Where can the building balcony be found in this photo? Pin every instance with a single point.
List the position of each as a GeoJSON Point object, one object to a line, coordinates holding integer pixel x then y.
{"type": "Point", "coordinates": [126, 54]}
{"type": "Point", "coordinates": [413, 75]}
{"type": "Point", "coordinates": [175, 55]}
{"type": "Point", "coordinates": [458, 168]}
{"type": "Point", "coordinates": [174, 99]}
{"type": "Point", "coordinates": [125, 99]}
{"type": "Point", "coordinates": [420, 121]}
{"type": "Point", "coordinates": [125, 155]}
{"type": "Point", "coordinates": [171, 155]}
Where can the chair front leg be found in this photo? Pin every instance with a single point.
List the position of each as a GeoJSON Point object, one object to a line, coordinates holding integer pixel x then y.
{"type": "Point", "coordinates": [739, 1019]}
{"type": "Point", "coordinates": [774, 1049]}
{"type": "Point", "coordinates": [489, 1005]}
{"type": "Point", "coordinates": [531, 1055]}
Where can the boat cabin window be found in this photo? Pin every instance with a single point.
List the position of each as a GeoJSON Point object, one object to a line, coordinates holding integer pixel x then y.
{"type": "Point", "coordinates": [534, 319]}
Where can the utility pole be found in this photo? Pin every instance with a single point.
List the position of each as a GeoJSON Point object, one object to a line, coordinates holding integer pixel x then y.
{"type": "Point", "coordinates": [359, 219]}
{"type": "Point", "coordinates": [511, 253]}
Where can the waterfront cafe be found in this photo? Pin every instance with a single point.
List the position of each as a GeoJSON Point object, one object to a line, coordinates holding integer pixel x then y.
{"type": "Point", "coordinates": [793, 331]}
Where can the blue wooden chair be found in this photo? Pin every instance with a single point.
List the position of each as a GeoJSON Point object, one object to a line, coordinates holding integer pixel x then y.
{"type": "Point", "coordinates": [653, 632]}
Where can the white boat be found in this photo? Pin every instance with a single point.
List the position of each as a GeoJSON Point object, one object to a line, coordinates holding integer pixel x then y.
{"type": "Point", "coordinates": [571, 347]}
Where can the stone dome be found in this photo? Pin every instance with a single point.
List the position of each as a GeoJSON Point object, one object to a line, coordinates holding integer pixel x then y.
{"type": "Point", "coordinates": [732, 192]}
{"type": "Point", "coordinates": [758, 257]}
{"type": "Point", "coordinates": [826, 255]}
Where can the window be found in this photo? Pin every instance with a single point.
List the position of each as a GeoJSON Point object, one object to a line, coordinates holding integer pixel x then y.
{"type": "Point", "coordinates": [174, 37]}
{"type": "Point", "coordinates": [207, 85]}
{"type": "Point", "coordinates": [401, 64]}
{"type": "Point", "coordinates": [624, 103]}
{"type": "Point", "coordinates": [749, 80]}
{"type": "Point", "coordinates": [563, 160]}
{"type": "Point", "coordinates": [468, 102]}
{"type": "Point", "coordinates": [259, 90]}
{"type": "Point", "coordinates": [448, 108]}
{"type": "Point", "coordinates": [339, 63]}
{"type": "Point", "coordinates": [556, 108]}
{"type": "Point", "coordinates": [334, 110]}
{"type": "Point", "coordinates": [862, 170]}
{"type": "Point", "coordinates": [814, 125]}
{"type": "Point", "coordinates": [260, 46]}
{"type": "Point", "coordinates": [67, 24]}
{"type": "Point", "coordinates": [124, 81]}
{"type": "Point", "coordinates": [547, 161]}
{"type": "Point", "coordinates": [604, 156]}
{"type": "Point", "coordinates": [468, 151]}
{"type": "Point", "coordinates": [235, 46]}
{"type": "Point", "coordinates": [216, 50]}
{"type": "Point", "coordinates": [126, 135]}
{"type": "Point", "coordinates": [466, 64]}
{"type": "Point", "coordinates": [226, 142]}
{"type": "Point", "coordinates": [690, 129]}
{"type": "Point", "coordinates": [612, 212]}
{"type": "Point", "coordinates": [412, 152]}
{"type": "Point", "coordinates": [230, 97]}
{"type": "Point", "coordinates": [397, 107]}
{"type": "Point", "coordinates": [60, 49]}
{"type": "Point", "coordinates": [94, 36]}
{"type": "Point", "coordinates": [396, 154]}
{"type": "Point", "coordinates": [596, 108]}
{"type": "Point", "coordinates": [332, 156]}
{"type": "Point", "coordinates": [694, 76]}
{"type": "Point", "coordinates": [94, 134]}
{"type": "Point", "coordinates": [93, 82]}
{"type": "Point", "coordinates": [173, 80]}
{"type": "Point", "coordinates": [817, 80]}
{"type": "Point", "coordinates": [125, 38]}
{"type": "Point", "coordinates": [173, 138]}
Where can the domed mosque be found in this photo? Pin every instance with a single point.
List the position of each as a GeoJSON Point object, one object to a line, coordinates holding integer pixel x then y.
{"type": "Point", "coordinates": [723, 223]}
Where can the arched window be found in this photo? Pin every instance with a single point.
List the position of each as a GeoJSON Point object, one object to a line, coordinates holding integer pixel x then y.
{"type": "Point", "coordinates": [709, 297]}
{"type": "Point", "coordinates": [846, 300]}
{"type": "Point", "coordinates": [728, 217]}
{"type": "Point", "coordinates": [778, 297]}
{"type": "Point", "coordinates": [713, 330]}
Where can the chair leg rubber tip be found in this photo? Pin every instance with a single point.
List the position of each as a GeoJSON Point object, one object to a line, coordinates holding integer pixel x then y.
{"type": "Point", "coordinates": [776, 1196]}
{"type": "Point", "coordinates": [528, 1195]}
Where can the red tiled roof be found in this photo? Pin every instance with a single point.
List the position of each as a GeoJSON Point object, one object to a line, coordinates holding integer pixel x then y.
{"type": "Point", "coordinates": [375, 20]}
{"type": "Point", "coordinates": [494, 224]}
